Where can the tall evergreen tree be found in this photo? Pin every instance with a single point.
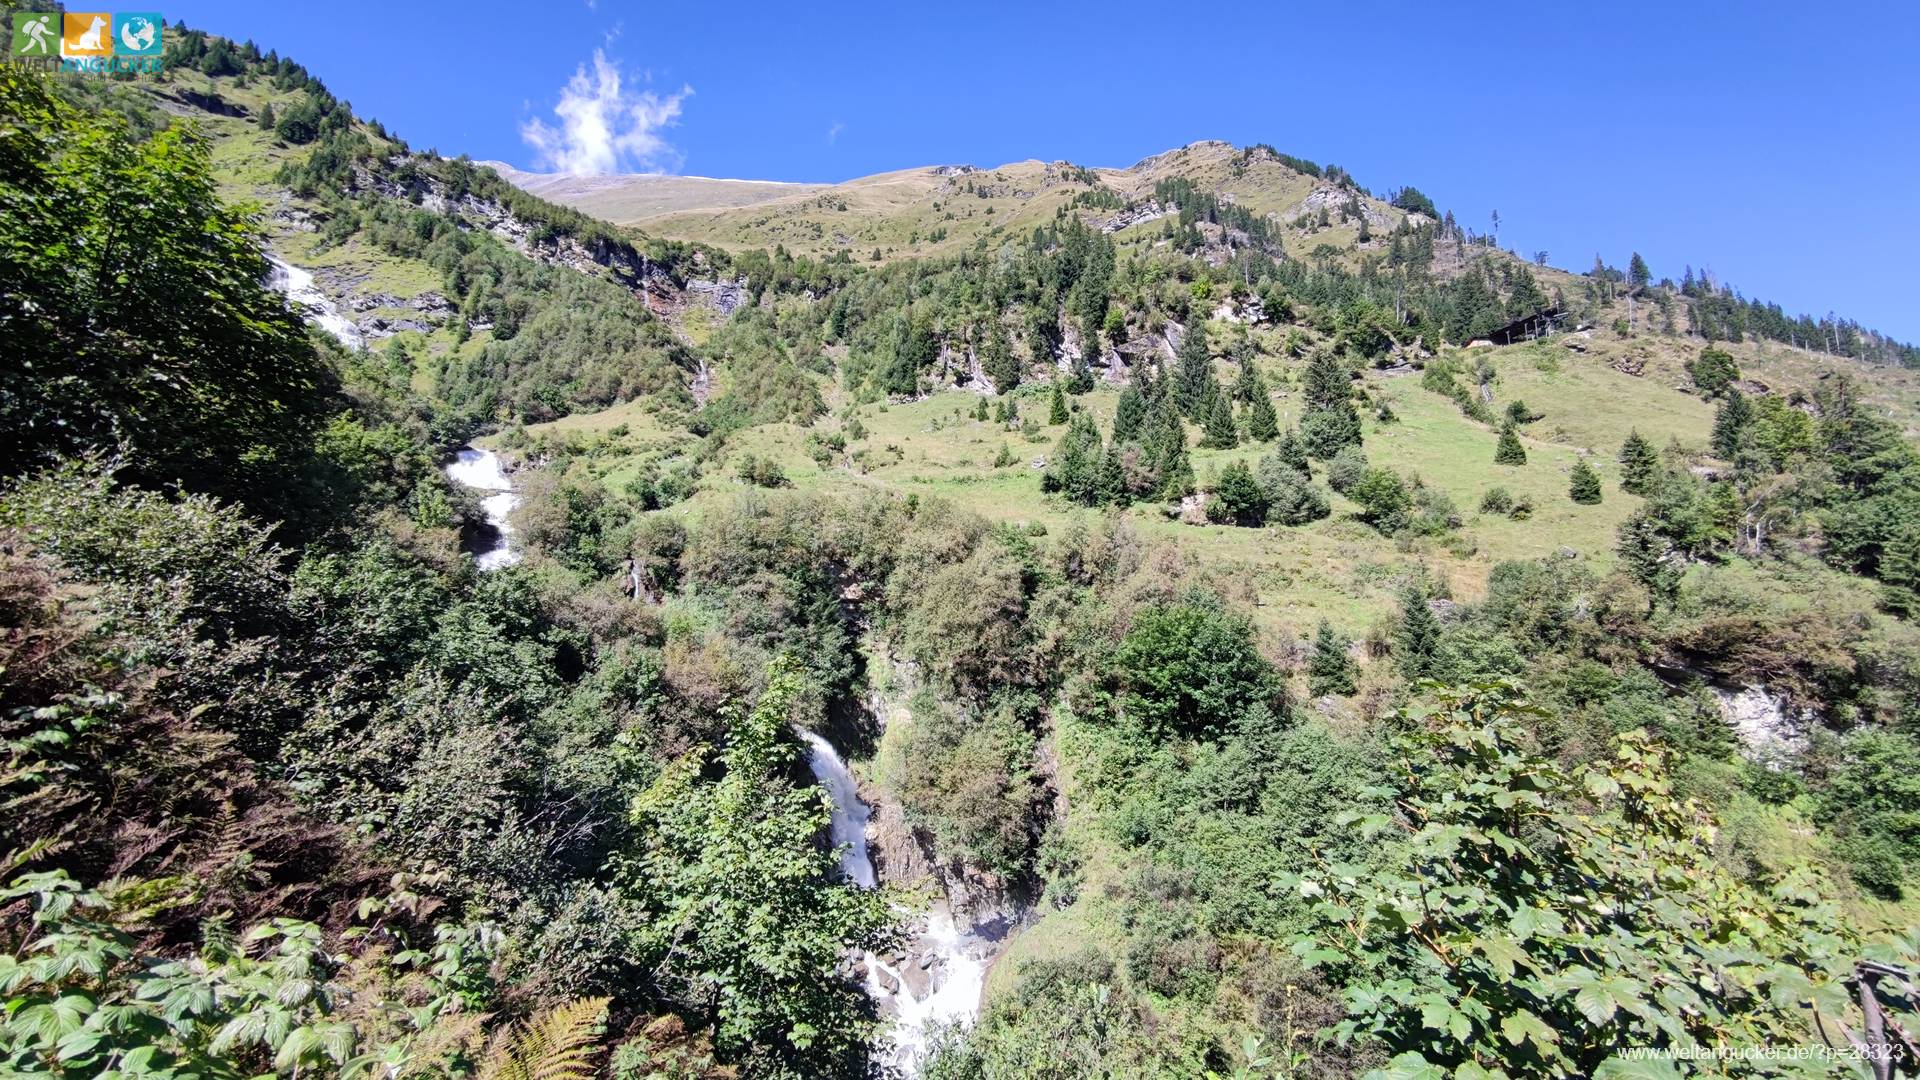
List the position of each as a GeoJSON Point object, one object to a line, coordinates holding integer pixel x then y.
{"type": "Point", "coordinates": [1639, 464]}
{"type": "Point", "coordinates": [1293, 452]}
{"type": "Point", "coordinates": [1329, 670]}
{"type": "Point", "coordinates": [1057, 405]}
{"type": "Point", "coordinates": [1585, 485]}
{"type": "Point", "coordinates": [1327, 384]}
{"type": "Point", "coordinates": [1647, 555]}
{"type": "Point", "coordinates": [1169, 455]}
{"type": "Point", "coordinates": [1509, 452]}
{"type": "Point", "coordinates": [1000, 363]}
{"type": "Point", "coordinates": [1637, 273]}
{"type": "Point", "coordinates": [1263, 424]}
{"type": "Point", "coordinates": [1730, 423]}
{"type": "Point", "coordinates": [1128, 416]}
{"type": "Point", "coordinates": [1195, 375]}
{"type": "Point", "coordinates": [1074, 470]}
{"type": "Point", "coordinates": [1220, 433]}
{"type": "Point", "coordinates": [1417, 636]}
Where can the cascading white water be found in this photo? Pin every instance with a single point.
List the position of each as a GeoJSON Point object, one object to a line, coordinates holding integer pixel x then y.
{"type": "Point", "coordinates": [480, 470]}
{"type": "Point", "coordinates": [849, 828]}
{"type": "Point", "coordinates": [314, 305]}
{"type": "Point", "coordinates": [937, 982]}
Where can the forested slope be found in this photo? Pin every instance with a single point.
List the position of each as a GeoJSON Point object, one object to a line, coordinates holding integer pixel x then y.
{"type": "Point", "coordinates": [1303, 689]}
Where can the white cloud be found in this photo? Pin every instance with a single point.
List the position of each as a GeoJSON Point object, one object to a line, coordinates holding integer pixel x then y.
{"type": "Point", "coordinates": [833, 133]}
{"type": "Point", "coordinates": [605, 127]}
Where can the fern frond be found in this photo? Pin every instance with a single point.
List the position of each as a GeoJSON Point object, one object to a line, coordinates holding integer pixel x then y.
{"type": "Point", "coordinates": [559, 1044]}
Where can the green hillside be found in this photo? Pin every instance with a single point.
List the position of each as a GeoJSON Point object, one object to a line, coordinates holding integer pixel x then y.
{"type": "Point", "coordinates": [1253, 651]}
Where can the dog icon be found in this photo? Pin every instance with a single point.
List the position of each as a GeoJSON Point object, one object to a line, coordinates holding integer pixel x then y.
{"type": "Point", "coordinates": [87, 34]}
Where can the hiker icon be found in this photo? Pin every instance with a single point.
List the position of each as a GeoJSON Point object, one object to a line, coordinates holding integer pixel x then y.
{"type": "Point", "coordinates": [33, 33]}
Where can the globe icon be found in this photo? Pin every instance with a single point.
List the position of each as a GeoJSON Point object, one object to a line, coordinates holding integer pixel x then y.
{"type": "Point", "coordinates": [138, 34]}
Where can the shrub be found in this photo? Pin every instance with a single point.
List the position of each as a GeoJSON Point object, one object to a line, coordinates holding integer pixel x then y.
{"type": "Point", "coordinates": [1497, 500]}
{"type": "Point", "coordinates": [1191, 669]}
{"type": "Point", "coordinates": [1346, 469]}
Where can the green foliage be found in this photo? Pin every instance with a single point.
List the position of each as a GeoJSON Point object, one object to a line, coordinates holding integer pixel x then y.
{"type": "Point", "coordinates": [1639, 464]}
{"type": "Point", "coordinates": [1190, 669]}
{"type": "Point", "coordinates": [1384, 500]}
{"type": "Point", "coordinates": [1416, 636]}
{"type": "Point", "coordinates": [1713, 370]}
{"type": "Point", "coordinates": [1329, 670]}
{"type": "Point", "coordinates": [1056, 405]}
{"type": "Point", "coordinates": [1237, 498]}
{"type": "Point", "coordinates": [84, 995]}
{"type": "Point", "coordinates": [1497, 500]}
{"type": "Point", "coordinates": [1730, 422]}
{"type": "Point", "coordinates": [967, 777]}
{"type": "Point", "coordinates": [743, 911]}
{"type": "Point", "coordinates": [1221, 433]}
{"type": "Point", "coordinates": [1872, 802]}
{"type": "Point", "coordinates": [1584, 487]}
{"type": "Point", "coordinates": [1509, 451]}
{"type": "Point", "coordinates": [135, 317]}
{"type": "Point", "coordinates": [1534, 919]}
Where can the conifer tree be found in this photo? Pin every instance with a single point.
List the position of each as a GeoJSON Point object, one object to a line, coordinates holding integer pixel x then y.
{"type": "Point", "coordinates": [1327, 384]}
{"type": "Point", "coordinates": [1000, 363]}
{"type": "Point", "coordinates": [981, 411]}
{"type": "Point", "coordinates": [1128, 416]}
{"type": "Point", "coordinates": [1730, 422]}
{"type": "Point", "coordinates": [1647, 554]}
{"type": "Point", "coordinates": [1293, 452]}
{"type": "Point", "coordinates": [1004, 412]}
{"type": "Point", "coordinates": [1263, 424]}
{"type": "Point", "coordinates": [1585, 486]}
{"type": "Point", "coordinates": [1220, 434]}
{"type": "Point", "coordinates": [1074, 470]}
{"type": "Point", "coordinates": [1329, 669]}
{"type": "Point", "coordinates": [1057, 406]}
{"type": "Point", "coordinates": [267, 119]}
{"type": "Point", "coordinates": [1639, 464]}
{"type": "Point", "coordinates": [1331, 424]}
{"type": "Point", "coordinates": [1417, 637]}
{"type": "Point", "coordinates": [1510, 452]}
{"type": "Point", "coordinates": [1195, 374]}
{"type": "Point", "coordinates": [1171, 465]}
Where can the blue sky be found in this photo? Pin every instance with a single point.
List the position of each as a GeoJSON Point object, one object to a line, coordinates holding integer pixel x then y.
{"type": "Point", "coordinates": [1775, 143]}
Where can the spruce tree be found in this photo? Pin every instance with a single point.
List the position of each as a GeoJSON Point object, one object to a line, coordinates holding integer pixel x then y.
{"type": "Point", "coordinates": [981, 411]}
{"type": "Point", "coordinates": [1639, 464]}
{"type": "Point", "coordinates": [1175, 472]}
{"type": "Point", "coordinates": [1647, 554]}
{"type": "Point", "coordinates": [1417, 637]}
{"type": "Point", "coordinates": [1057, 405]}
{"type": "Point", "coordinates": [1510, 452]}
{"type": "Point", "coordinates": [1327, 384]}
{"type": "Point", "coordinates": [1263, 424]}
{"type": "Point", "coordinates": [1585, 487]}
{"type": "Point", "coordinates": [1000, 363]}
{"type": "Point", "coordinates": [267, 119]}
{"type": "Point", "coordinates": [1330, 669]}
{"type": "Point", "coordinates": [1730, 422]}
{"type": "Point", "coordinates": [1293, 452]}
{"type": "Point", "coordinates": [1128, 416]}
{"type": "Point", "coordinates": [1074, 470]}
{"type": "Point", "coordinates": [1220, 434]}
{"type": "Point", "coordinates": [1195, 374]}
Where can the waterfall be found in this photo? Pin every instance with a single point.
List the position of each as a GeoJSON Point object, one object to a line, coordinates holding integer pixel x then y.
{"type": "Point", "coordinates": [849, 828]}
{"type": "Point", "coordinates": [934, 983]}
{"type": "Point", "coordinates": [313, 305]}
{"type": "Point", "coordinates": [480, 470]}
